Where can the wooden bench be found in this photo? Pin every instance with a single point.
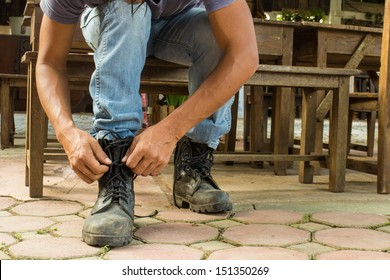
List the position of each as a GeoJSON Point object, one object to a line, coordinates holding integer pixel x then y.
{"type": "Point", "coordinates": [8, 81]}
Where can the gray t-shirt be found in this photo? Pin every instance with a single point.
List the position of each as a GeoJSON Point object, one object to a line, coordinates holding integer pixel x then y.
{"type": "Point", "coordinates": [69, 11]}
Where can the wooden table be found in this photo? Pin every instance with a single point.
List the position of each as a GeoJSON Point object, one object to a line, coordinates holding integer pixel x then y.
{"type": "Point", "coordinates": [8, 81]}
{"type": "Point", "coordinates": [275, 46]}
{"type": "Point", "coordinates": [344, 46]}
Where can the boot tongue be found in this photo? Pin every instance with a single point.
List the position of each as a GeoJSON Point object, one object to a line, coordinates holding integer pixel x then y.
{"type": "Point", "coordinates": [199, 149]}
{"type": "Point", "coordinates": [201, 156]}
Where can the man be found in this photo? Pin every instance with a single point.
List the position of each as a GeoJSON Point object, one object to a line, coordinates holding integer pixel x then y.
{"type": "Point", "coordinates": [216, 40]}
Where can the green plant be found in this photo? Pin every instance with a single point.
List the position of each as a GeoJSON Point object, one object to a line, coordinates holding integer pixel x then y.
{"type": "Point", "coordinates": [314, 15]}
{"type": "Point", "coordinates": [175, 100]}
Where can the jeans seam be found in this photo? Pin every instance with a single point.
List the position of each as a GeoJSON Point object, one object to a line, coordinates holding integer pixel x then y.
{"type": "Point", "coordinates": [101, 57]}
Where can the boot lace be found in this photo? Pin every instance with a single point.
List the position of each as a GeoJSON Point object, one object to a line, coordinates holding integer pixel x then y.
{"type": "Point", "coordinates": [116, 185]}
{"type": "Point", "coordinates": [199, 166]}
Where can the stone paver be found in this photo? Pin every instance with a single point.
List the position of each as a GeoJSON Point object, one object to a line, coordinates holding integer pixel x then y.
{"type": "Point", "coordinates": [189, 216]}
{"type": "Point", "coordinates": [176, 233]}
{"type": "Point", "coordinates": [5, 214]}
{"type": "Point", "coordinates": [348, 219]}
{"type": "Point", "coordinates": [257, 253]}
{"type": "Point", "coordinates": [67, 218]}
{"type": "Point", "coordinates": [53, 248]}
{"type": "Point", "coordinates": [312, 227]}
{"type": "Point", "coordinates": [268, 217]}
{"type": "Point", "coordinates": [266, 235]}
{"type": "Point", "coordinates": [311, 249]}
{"type": "Point", "coordinates": [385, 229]}
{"type": "Point", "coordinates": [155, 252]}
{"type": "Point", "coordinates": [6, 239]}
{"type": "Point", "coordinates": [6, 202]}
{"type": "Point", "coordinates": [354, 255]}
{"type": "Point", "coordinates": [292, 221]}
{"type": "Point", "coordinates": [69, 228]}
{"type": "Point", "coordinates": [141, 222]}
{"type": "Point", "coordinates": [23, 223]}
{"type": "Point", "coordinates": [4, 256]}
{"type": "Point", "coordinates": [224, 224]}
{"type": "Point", "coordinates": [48, 208]}
{"type": "Point", "coordinates": [353, 238]}
{"type": "Point", "coordinates": [212, 246]}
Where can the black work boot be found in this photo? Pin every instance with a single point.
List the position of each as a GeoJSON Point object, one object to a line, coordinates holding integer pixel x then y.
{"type": "Point", "coordinates": [111, 220]}
{"type": "Point", "coordinates": [193, 185]}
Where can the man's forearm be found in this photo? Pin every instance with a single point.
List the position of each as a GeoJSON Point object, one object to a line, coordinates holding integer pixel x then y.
{"type": "Point", "coordinates": [222, 84]}
{"type": "Point", "coordinates": [54, 96]}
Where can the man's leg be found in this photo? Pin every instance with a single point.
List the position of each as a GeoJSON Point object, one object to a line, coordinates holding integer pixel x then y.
{"type": "Point", "coordinates": [187, 39]}
{"type": "Point", "coordinates": [119, 59]}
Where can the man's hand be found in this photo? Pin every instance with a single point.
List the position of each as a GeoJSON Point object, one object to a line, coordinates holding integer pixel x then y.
{"type": "Point", "coordinates": [151, 150]}
{"type": "Point", "coordinates": [85, 155]}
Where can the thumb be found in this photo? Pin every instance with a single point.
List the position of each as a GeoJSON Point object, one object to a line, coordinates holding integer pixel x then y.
{"type": "Point", "coordinates": [130, 150]}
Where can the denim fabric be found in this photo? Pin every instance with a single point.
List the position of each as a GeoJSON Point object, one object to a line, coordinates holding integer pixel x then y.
{"type": "Point", "coordinates": [124, 41]}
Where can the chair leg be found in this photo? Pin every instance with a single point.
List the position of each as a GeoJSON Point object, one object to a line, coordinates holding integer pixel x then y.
{"type": "Point", "coordinates": [5, 113]}
{"type": "Point", "coordinates": [36, 140]}
{"type": "Point", "coordinates": [350, 121]}
{"type": "Point", "coordinates": [371, 120]}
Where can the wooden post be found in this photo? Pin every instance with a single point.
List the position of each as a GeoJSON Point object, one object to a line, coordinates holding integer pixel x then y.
{"type": "Point", "coordinates": [335, 11]}
{"type": "Point", "coordinates": [384, 108]}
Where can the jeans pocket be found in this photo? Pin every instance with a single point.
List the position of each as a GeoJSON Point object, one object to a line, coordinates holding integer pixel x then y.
{"type": "Point", "coordinates": [90, 26]}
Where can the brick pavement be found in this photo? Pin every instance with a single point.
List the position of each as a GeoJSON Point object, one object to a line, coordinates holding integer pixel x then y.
{"type": "Point", "coordinates": [274, 218]}
{"type": "Point", "coordinates": [50, 228]}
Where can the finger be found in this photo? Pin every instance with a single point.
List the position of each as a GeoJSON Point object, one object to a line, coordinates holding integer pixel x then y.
{"type": "Point", "coordinates": [95, 169]}
{"type": "Point", "coordinates": [92, 175]}
{"type": "Point", "coordinates": [83, 177]}
{"type": "Point", "coordinates": [149, 169]}
{"type": "Point", "coordinates": [157, 170]}
{"type": "Point", "coordinates": [99, 154]}
{"type": "Point", "coordinates": [140, 168]}
{"type": "Point", "coordinates": [134, 159]}
{"type": "Point", "coordinates": [89, 165]}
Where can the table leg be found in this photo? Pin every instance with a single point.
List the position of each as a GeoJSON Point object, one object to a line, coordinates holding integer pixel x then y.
{"type": "Point", "coordinates": [306, 170]}
{"type": "Point", "coordinates": [338, 137]}
{"type": "Point", "coordinates": [282, 130]}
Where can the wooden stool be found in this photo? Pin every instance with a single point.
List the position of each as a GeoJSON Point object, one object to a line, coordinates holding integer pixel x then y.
{"type": "Point", "coordinates": [363, 102]}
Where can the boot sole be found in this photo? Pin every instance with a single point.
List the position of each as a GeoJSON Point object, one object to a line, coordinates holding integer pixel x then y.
{"type": "Point", "coordinates": [206, 208]}
{"type": "Point", "coordinates": [105, 240]}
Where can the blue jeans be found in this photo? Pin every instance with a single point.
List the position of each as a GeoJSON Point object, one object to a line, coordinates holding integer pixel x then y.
{"type": "Point", "coordinates": [127, 36]}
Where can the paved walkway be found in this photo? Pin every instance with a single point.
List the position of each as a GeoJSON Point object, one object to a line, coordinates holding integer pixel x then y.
{"type": "Point", "coordinates": [274, 217]}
